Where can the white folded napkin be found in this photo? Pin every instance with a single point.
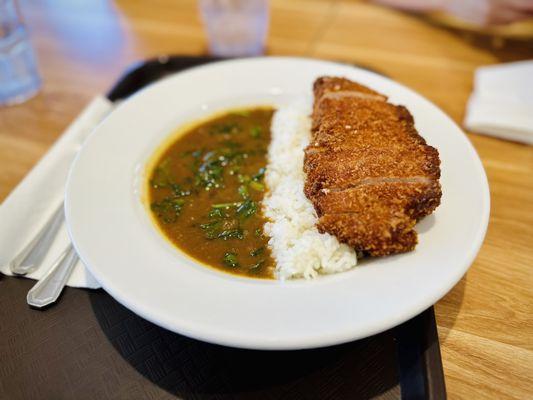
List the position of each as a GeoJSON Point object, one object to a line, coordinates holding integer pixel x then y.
{"type": "Point", "coordinates": [501, 104]}
{"type": "Point", "coordinates": [29, 205]}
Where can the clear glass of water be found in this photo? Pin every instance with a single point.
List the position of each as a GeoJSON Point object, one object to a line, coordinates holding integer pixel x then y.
{"type": "Point", "coordinates": [235, 28]}
{"type": "Point", "coordinates": [19, 77]}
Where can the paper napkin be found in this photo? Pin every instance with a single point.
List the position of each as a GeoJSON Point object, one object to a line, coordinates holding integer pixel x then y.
{"type": "Point", "coordinates": [29, 205]}
{"type": "Point", "coordinates": [501, 104]}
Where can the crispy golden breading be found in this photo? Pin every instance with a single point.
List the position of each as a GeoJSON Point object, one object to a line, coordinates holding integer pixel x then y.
{"type": "Point", "coordinates": [347, 168]}
{"type": "Point", "coordinates": [370, 175]}
{"type": "Point", "coordinates": [327, 84]}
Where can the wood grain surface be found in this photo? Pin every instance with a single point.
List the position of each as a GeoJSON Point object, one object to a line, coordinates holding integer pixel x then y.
{"type": "Point", "coordinates": [485, 323]}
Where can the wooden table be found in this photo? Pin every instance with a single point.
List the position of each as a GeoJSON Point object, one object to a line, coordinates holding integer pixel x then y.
{"type": "Point", "coordinates": [485, 323]}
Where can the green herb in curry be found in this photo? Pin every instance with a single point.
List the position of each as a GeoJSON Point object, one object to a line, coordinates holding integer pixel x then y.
{"type": "Point", "coordinates": [206, 190]}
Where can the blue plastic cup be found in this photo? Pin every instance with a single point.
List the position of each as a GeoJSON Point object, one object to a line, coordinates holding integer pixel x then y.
{"type": "Point", "coordinates": [19, 76]}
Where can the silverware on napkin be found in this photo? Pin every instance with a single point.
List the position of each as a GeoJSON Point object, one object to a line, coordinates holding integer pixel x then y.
{"type": "Point", "coordinates": [32, 254]}
{"type": "Point", "coordinates": [33, 234]}
{"type": "Point", "coordinates": [47, 290]}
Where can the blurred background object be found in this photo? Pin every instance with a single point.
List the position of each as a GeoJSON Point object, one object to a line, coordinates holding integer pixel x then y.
{"type": "Point", "coordinates": [19, 77]}
{"type": "Point", "coordinates": [477, 12]}
{"type": "Point", "coordinates": [518, 30]}
{"type": "Point", "coordinates": [235, 28]}
{"type": "Point", "coordinates": [501, 19]}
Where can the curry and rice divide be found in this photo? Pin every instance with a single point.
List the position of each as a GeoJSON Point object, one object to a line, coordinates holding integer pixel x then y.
{"type": "Point", "coordinates": [207, 188]}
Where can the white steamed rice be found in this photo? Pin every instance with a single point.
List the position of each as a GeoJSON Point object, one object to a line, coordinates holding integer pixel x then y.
{"type": "Point", "coordinates": [297, 246]}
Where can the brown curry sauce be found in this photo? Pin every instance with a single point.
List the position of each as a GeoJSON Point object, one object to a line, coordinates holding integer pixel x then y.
{"type": "Point", "coordinates": [206, 188]}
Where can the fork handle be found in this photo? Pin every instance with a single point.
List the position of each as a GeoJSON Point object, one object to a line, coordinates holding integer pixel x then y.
{"type": "Point", "coordinates": [50, 286]}
{"type": "Point", "coordinates": [33, 253]}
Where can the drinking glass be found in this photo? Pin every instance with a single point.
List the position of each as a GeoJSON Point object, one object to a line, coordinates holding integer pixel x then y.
{"type": "Point", "coordinates": [19, 77]}
{"type": "Point", "coordinates": [235, 28]}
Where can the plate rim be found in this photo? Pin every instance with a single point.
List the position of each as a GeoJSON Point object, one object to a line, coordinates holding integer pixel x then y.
{"type": "Point", "coordinates": [243, 342]}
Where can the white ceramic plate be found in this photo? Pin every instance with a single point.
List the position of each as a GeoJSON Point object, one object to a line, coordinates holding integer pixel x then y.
{"type": "Point", "coordinates": [116, 240]}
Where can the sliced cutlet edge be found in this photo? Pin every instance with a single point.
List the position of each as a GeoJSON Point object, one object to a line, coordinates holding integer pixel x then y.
{"type": "Point", "coordinates": [375, 218]}
{"type": "Point", "coordinates": [394, 193]}
{"type": "Point", "coordinates": [416, 197]}
{"type": "Point", "coordinates": [378, 239]}
{"type": "Point", "coordinates": [346, 168]}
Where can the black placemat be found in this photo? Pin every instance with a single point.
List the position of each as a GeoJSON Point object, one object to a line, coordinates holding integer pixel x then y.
{"type": "Point", "coordinates": [88, 346]}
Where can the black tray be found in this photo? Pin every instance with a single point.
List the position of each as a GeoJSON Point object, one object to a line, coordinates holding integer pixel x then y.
{"type": "Point", "coordinates": [88, 346]}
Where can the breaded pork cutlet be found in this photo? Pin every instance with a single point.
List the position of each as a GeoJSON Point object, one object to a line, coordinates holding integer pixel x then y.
{"type": "Point", "coordinates": [370, 175]}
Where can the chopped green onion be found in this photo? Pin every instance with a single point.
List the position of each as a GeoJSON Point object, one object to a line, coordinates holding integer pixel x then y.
{"type": "Point", "coordinates": [230, 260]}
{"type": "Point", "coordinates": [255, 132]}
{"type": "Point", "coordinates": [231, 234]}
{"type": "Point", "coordinates": [216, 213]}
{"type": "Point", "coordinates": [257, 186]}
{"type": "Point", "coordinates": [258, 251]}
{"type": "Point", "coordinates": [243, 178]}
{"type": "Point", "coordinates": [226, 205]}
{"type": "Point", "coordinates": [211, 229]}
{"type": "Point", "coordinates": [178, 191]}
{"type": "Point", "coordinates": [247, 209]}
{"type": "Point", "coordinates": [257, 265]}
{"type": "Point", "coordinates": [260, 175]}
{"type": "Point", "coordinates": [168, 209]}
{"type": "Point", "coordinates": [243, 192]}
